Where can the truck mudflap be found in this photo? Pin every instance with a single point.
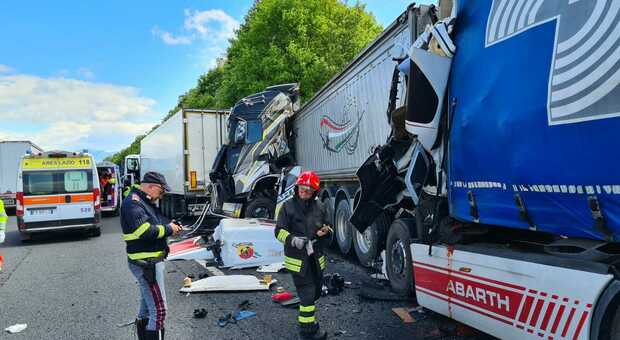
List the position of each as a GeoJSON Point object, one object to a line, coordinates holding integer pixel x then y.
{"type": "Point", "coordinates": [507, 298]}
{"type": "Point", "coordinates": [380, 183]}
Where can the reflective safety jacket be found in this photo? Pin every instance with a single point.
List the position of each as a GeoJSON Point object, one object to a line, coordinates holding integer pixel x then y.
{"type": "Point", "coordinates": [128, 189]}
{"type": "Point", "coordinates": [144, 227]}
{"type": "Point", "coordinates": [3, 217]}
{"type": "Point", "coordinates": [303, 219]}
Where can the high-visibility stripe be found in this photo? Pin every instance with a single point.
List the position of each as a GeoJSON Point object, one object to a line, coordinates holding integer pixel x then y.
{"type": "Point", "coordinates": [57, 199]}
{"type": "Point", "coordinates": [322, 262]}
{"type": "Point", "coordinates": [293, 260]}
{"type": "Point", "coordinates": [162, 231]}
{"type": "Point", "coordinates": [307, 308]}
{"type": "Point", "coordinates": [137, 233]}
{"type": "Point", "coordinates": [292, 267]}
{"type": "Point", "coordinates": [306, 319]}
{"type": "Point", "coordinates": [282, 235]}
{"type": "Point", "coordinates": [145, 255]}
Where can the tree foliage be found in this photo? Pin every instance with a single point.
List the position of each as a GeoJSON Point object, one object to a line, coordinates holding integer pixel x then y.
{"type": "Point", "coordinates": [280, 41]}
{"type": "Point", "coordinates": [305, 41]}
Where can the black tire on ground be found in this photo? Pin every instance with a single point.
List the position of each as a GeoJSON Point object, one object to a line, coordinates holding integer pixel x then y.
{"type": "Point", "coordinates": [329, 209]}
{"type": "Point", "coordinates": [342, 227]}
{"type": "Point", "coordinates": [398, 256]}
{"type": "Point", "coordinates": [95, 232]}
{"type": "Point", "coordinates": [368, 245]}
{"type": "Point", "coordinates": [260, 207]}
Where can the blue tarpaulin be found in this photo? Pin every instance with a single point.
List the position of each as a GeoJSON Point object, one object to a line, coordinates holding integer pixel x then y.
{"type": "Point", "coordinates": [536, 116]}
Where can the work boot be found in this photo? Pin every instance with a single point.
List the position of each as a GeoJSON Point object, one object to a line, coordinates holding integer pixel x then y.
{"type": "Point", "coordinates": [141, 328]}
{"type": "Point", "coordinates": [155, 335]}
{"type": "Point", "coordinates": [312, 331]}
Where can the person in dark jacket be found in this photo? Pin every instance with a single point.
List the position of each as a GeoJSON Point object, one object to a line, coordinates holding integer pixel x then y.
{"type": "Point", "coordinates": [145, 230]}
{"type": "Point", "coordinates": [302, 225]}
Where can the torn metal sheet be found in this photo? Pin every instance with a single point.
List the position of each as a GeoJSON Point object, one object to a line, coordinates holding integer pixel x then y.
{"type": "Point", "coordinates": [227, 283]}
{"type": "Point", "coordinates": [271, 268]}
{"type": "Point", "coordinates": [190, 249]}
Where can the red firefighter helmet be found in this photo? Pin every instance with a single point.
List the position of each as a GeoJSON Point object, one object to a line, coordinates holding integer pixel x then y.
{"type": "Point", "coordinates": [309, 179]}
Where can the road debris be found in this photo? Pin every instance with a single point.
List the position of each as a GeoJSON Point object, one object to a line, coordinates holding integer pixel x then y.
{"type": "Point", "coordinates": [16, 328]}
{"type": "Point", "coordinates": [200, 313]}
{"type": "Point", "coordinates": [227, 283]}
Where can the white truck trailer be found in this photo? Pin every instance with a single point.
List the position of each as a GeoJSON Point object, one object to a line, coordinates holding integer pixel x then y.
{"type": "Point", "coordinates": [183, 149]}
{"type": "Point", "coordinates": [11, 153]}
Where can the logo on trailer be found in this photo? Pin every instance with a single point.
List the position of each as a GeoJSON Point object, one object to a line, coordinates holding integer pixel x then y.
{"type": "Point", "coordinates": [343, 134]}
{"type": "Point", "coordinates": [245, 250]}
{"type": "Point", "coordinates": [585, 68]}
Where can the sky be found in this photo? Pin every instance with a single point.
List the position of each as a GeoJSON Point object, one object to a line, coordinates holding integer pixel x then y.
{"type": "Point", "coordinates": [92, 75]}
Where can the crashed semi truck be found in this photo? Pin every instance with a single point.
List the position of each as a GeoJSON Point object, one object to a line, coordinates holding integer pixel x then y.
{"type": "Point", "coordinates": [183, 149]}
{"type": "Point", "coordinates": [338, 128]}
{"type": "Point", "coordinates": [246, 170]}
{"type": "Point", "coordinates": [499, 175]}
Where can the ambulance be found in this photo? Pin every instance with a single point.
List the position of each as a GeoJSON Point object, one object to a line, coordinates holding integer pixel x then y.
{"type": "Point", "coordinates": [58, 191]}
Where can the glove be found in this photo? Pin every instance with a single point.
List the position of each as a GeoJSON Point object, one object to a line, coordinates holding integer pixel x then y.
{"type": "Point", "coordinates": [1, 236]}
{"type": "Point", "coordinates": [299, 242]}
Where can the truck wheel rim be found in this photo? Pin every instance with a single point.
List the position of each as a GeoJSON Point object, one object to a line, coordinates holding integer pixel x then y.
{"type": "Point", "coordinates": [341, 225]}
{"type": "Point", "coordinates": [364, 240]}
{"type": "Point", "coordinates": [398, 258]}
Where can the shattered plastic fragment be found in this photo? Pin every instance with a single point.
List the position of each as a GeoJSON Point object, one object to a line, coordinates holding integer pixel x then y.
{"type": "Point", "coordinates": [16, 328]}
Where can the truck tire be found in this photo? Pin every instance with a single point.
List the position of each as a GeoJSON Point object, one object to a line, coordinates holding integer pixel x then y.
{"type": "Point", "coordinates": [342, 226]}
{"type": "Point", "coordinates": [330, 239]}
{"type": "Point", "coordinates": [368, 245]}
{"type": "Point", "coordinates": [398, 256]}
{"type": "Point", "coordinates": [260, 207]}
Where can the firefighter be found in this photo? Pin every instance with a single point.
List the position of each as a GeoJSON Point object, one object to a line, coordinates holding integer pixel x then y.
{"type": "Point", "coordinates": [302, 225]}
{"type": "Point", "coordinates": [145, 230]}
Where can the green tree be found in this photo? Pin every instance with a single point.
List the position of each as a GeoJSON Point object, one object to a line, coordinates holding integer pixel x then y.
{"type": "Point", "coordinates": [305, 41]}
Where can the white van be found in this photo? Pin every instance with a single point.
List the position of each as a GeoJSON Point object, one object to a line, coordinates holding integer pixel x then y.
{"type": "Point", "coordinates": [58, 190]}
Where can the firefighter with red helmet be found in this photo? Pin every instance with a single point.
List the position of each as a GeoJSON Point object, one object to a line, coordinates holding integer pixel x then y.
{"type": "Point", "coordinates": [302, 226]}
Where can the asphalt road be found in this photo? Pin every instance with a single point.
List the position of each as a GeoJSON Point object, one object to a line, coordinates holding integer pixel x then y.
{"type": "Point", "coordinates": [75, 287]}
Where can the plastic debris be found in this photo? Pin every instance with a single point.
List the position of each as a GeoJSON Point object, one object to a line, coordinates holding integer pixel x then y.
{"type": "Point", "coordinates": [243, 314]}
{"type": "Point", "coordinates": [279, 297]}
{"type": "Point", "coordinates": [271, 268]}
{"type": "Point", "coordinates": [16, 328]}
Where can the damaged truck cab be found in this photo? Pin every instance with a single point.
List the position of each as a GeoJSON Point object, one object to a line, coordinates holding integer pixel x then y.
{"type": "Point", "coordinates": [245, 172]}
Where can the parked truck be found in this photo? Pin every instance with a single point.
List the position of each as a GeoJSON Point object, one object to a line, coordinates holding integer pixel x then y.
{"type": "Point", "coordinates": [130, 170]}
{"type": "Point", "coordinates": [246, 170]}
{"type": "Point", "coordinates": [499, 175]}
{"type": "Point", "coordinates": [11, 153]}
{"type": "Point", "coordinates": [183, 149]}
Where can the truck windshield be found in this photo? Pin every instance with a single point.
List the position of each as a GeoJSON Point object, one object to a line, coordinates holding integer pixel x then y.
{"type": "Point", "coordinates": [57, 182]}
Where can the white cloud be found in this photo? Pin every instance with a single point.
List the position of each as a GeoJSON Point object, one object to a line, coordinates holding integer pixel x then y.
{"type": "Point", "coordinates": [73, 114]}
{"type": "Point", "coordinates": [213, 26]}
{"type": "Point", "coordinates": [85, 73]}
{"type": "Point", "coordinates": [170, 39]}
{"type": "Point", "coordinates": [5, 69]}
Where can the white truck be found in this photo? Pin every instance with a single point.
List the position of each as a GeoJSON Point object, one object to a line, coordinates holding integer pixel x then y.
{"type": "Point", "coordinates": [11, 153]}
{"type": "Point", "coordinates": [183, 149]}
